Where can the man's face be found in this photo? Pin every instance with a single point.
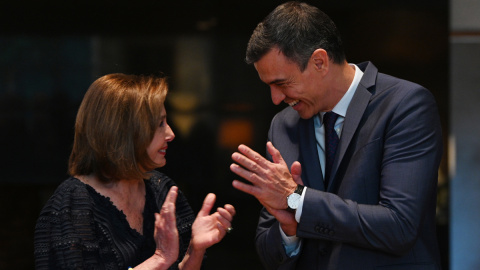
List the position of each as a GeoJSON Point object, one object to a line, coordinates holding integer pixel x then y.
{"type": "Point", "coordinates": [303, 91]}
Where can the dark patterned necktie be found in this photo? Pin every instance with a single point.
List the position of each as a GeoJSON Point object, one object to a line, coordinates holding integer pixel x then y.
{"type": "Point", "coordinates": [331, 142]}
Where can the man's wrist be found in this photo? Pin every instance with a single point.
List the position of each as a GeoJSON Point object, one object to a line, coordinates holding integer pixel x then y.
{"type": "Point", "coordinates": [287, 238]}
{"type": "Point", "coordinates": [289, 230]}
{"type": "Point", "coordinates": [290, 243]}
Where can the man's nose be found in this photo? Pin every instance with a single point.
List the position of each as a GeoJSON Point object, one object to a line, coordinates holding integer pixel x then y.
{"type": "Point", "coordinates": [277, 95]}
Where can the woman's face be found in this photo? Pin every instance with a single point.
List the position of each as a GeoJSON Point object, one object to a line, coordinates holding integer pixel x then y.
{"type": "Point", "coordinates": [158, 147]}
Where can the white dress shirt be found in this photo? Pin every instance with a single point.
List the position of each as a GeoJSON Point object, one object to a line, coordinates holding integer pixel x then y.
{"type": "Point", "coordinates": [292, 243]}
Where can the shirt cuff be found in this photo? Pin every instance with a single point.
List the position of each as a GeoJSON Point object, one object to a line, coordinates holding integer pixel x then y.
{"type": "Point", "coordinates": [298, 212]}
{"type": "Point", "coordinates": [290, 243]}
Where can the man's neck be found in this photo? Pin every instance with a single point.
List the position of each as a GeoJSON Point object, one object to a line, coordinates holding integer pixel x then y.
{"type": "Point", "coordinates": [341, 77]}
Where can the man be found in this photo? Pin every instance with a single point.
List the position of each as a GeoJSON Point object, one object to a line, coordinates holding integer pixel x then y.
{"type": "Point", "coordinates": [374, 207]}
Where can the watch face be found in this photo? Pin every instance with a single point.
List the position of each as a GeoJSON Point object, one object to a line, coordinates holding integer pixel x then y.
{"type": "Point", "coordinates": [293, 200]}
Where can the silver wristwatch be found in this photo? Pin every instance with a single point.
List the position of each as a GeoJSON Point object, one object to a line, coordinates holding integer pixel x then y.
{"type": "Point", "coordinates": [293, 200]}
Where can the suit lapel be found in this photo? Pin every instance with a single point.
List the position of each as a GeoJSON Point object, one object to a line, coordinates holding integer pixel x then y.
{"type": "Point", "coordinates": [311, 171]}
{"type": "Point", "coordinates": [355, 111]}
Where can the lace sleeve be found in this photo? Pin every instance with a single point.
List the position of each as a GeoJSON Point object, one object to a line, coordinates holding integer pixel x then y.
{"type": "Point", "coordinates": [65, 233]}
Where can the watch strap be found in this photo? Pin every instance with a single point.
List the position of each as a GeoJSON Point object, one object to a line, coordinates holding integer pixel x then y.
{"type": "Point", "coordinates": [299, 189]}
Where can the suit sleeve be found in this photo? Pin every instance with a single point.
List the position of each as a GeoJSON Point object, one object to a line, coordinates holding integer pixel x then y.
{"type": "Point", "coordinates": [269, 244]}
{"type": "Point", "coordinates": [393, 176]}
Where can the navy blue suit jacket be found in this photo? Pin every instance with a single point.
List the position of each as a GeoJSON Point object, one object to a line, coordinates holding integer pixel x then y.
{"type": "Point", "coordinates": [379, 210]}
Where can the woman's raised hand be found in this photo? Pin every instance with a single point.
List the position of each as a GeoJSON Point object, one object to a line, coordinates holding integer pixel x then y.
{"type": "Point", "coordinates": [208, 229]}
{"type": "Point", "coordinates": [166, 233]}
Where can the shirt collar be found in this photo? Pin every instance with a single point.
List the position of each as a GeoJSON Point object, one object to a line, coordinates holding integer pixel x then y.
{"type": "Point", "coordinates": [342, 105]}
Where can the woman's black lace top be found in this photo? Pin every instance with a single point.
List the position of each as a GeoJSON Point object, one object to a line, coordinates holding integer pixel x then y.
{"type": "Point", "coordinates": [79, 228]}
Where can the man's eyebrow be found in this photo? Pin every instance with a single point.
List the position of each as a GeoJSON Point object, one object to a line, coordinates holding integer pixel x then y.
{"type": "Point", "coordinates": [277, 81]}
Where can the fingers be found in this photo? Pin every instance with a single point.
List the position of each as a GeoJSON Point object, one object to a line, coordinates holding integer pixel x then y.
{"type": "Point", "coordinates": [169, 204]}
{"type": "Point", "coordinates": [166, 234]}
{"type": "Point", "coordinates": [276, 156]}
{"type": "Point", "coordinates": [224, 216]}
{"type": "Point", "coordinates": [248, 152]}
{"type": "Point", "coordinates": [230, 209]}
{"type": "Point", "coordinates": [168, 209]}
{"type": "Point", "coordinates": [254, 163]}
{"type": "Point", "coordinates": [207, 206]}
{"type": "Point", "coordinates": [249, 158]}
{"type": "Point", "coordinates": [222, 221]}
{"type": "Point", "coordinates": [227, 212]}
{"type": "Point", "coordinates": [172, 195]}
{"type": "Point", "coordinates": [296, 171]}
{"type": "Point", "coordinates": [249, 189]}
{"type": "Point", "coordinates": [255, 166]}
{"type": "Point", "coordinates": [165, 223]}
{"type": "Point", "coordinates": [245, 174]}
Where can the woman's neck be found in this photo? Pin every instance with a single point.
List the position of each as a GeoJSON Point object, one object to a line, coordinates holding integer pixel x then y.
{"type": "Point", "coordinates": [127, 195]}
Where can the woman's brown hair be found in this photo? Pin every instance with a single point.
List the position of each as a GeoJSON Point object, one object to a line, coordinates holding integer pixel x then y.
{"type": "Point", "coordinates": [115, 124]}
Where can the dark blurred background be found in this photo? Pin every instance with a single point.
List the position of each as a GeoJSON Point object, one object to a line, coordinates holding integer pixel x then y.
{"type": "Point", "coordinates": [51, 51]}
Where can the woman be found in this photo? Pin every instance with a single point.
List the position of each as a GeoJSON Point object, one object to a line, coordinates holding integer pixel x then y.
{"type": "Point", "coordinates": [116, 211]}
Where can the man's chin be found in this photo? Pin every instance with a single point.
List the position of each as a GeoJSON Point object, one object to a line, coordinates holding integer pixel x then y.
{"type": "Point", "coordinates": [305, 115]}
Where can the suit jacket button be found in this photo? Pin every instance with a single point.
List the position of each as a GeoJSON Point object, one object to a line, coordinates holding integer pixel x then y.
{"type": "Point", "coordinates": [317, 229]}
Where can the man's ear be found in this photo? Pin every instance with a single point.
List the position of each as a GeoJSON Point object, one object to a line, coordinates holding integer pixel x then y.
{"type": "Point", "coordinates": [320, 59]}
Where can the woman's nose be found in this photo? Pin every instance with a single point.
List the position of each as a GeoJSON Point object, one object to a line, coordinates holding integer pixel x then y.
{"type": "Point", "coordinates": [170, 135]}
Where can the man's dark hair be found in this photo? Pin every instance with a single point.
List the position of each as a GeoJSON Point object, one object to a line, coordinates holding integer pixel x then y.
{"type": "Point", "coordinates": [297, 30]}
